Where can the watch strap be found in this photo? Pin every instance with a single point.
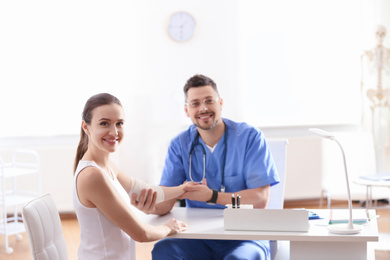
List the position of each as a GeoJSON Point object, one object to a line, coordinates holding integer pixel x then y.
{"type": "Point", "coordinates": [214, 197]}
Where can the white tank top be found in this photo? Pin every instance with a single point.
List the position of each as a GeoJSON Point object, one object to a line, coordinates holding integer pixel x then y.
{"type": "Point", "coordinates": [100, 238]}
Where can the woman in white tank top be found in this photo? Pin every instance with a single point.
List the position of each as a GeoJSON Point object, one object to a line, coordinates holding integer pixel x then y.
{"type": "Point", "coordinates": [102, 193]}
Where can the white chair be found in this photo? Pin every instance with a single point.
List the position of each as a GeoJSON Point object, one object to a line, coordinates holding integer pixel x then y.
{"type": "Point", "coordinates": [278, 150]}
{"type": "Point", "coordinates": [44, 230]}
{"type": "Point", "coordinates": [280, 250]}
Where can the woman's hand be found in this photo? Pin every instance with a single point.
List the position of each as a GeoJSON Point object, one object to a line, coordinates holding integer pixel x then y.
{"type": "Point", "coordinates": [146, 202]}
{"type": "Point", "coordinates": [175, 226]}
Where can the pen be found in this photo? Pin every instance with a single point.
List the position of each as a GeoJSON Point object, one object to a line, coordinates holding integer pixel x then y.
{"type": "Point", "coordinates": [238, 200]}
{"type": "Point", "coordinates": [233, 202]}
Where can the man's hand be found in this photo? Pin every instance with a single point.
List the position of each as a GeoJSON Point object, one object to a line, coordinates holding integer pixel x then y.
{"type": "Point", "coordinates": [146, 201]}
{"type": "Point", "coordinates": [198, 192]}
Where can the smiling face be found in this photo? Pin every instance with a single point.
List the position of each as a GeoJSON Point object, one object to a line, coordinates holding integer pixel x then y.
{"type": "Point", "coordinates": [204, 107]}
{"type": "Point", "coordinates": [105, 132]}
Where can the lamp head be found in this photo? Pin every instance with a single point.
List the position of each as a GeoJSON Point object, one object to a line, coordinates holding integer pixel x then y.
{"type": "Point", "coordinates": [322, 133]}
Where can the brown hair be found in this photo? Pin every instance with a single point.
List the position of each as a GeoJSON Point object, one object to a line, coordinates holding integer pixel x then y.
{"type": "Point", "coordinates": [92, 103]}
{"type": "Point", "coordinates": [199, 80]}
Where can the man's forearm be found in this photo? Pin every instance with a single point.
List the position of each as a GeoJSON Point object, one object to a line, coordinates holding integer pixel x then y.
{"type": "Point", "coordinates": [257, 197]}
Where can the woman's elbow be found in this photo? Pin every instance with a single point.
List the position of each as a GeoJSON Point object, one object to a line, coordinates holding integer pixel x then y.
{"type": "Point", "coordinates": [141, 237]}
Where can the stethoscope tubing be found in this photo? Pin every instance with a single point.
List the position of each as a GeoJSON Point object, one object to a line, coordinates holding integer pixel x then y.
{"type": "Point", "coordinates": [195, 143]}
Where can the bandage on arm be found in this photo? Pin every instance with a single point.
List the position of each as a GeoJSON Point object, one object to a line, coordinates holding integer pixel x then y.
{"type": "Point", "coordinates": [137, 186]}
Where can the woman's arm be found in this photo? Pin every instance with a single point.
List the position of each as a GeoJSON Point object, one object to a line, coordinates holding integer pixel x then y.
{"type": "Point", "coordinates": [146, 199]}
{"type": "Point", "coordinates": [147, 203]}
{"type": "Point", "coordinates": [108, 201]}
{"type": "Point", "coordinates": [132, 185]}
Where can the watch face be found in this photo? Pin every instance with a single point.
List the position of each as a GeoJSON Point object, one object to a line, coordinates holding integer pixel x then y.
{"type": "Point", "coordinates": [181, 26]}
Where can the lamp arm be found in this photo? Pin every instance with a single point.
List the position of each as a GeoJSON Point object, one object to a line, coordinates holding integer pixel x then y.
{"type": "Point", "coordinates": [341, 229]}
{"type": "Point", "coordinates": [350, 223]}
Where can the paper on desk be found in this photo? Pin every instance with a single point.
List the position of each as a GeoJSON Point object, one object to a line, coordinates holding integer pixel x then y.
{"type": "Point", "coordinates": [359, 216]}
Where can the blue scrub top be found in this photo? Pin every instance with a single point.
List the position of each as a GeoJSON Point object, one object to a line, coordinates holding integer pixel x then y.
{"type": "Point", "coordinates": [249, 163]}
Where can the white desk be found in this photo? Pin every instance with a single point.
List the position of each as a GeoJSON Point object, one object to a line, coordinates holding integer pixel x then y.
{"type": "Point", "coordinates": [317, 243]}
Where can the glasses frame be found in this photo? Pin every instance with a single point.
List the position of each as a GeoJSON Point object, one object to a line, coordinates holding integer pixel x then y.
{"type": "Point", "coordinates": [203, 102]}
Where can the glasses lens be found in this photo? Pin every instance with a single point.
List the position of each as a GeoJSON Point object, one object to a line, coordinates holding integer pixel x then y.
{"type": "Point", "coordinates": [207, 101]}
{"type": "Point", "coordinates": [194, 104]}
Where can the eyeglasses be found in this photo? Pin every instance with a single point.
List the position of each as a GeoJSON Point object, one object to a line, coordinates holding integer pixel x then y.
{"type": "Point", "coordinates": [206, 102]}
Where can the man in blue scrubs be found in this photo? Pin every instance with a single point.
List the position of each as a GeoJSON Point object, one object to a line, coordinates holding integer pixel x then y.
{"type": "Point", "coordinates": [237, 161]}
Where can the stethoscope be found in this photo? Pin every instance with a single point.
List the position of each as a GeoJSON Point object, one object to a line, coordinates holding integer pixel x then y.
{"type": "Point", "coordinates": [195, 143]}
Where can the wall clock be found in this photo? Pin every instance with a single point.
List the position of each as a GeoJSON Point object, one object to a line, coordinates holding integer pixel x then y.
{"type": "Point", "coordinates": [181, 26]}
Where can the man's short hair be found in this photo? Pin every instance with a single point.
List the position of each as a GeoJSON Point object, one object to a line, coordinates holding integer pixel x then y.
{"type": "Point", "coordinates": [199, 80]}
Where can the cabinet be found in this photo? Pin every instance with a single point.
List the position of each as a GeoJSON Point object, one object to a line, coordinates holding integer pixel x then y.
{"type": "Point", "coordinates": [20, 182]}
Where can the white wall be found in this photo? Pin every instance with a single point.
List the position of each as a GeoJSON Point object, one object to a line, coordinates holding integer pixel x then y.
{"type": "Point", "coordinates": [276, 63]}
{"type": "Point", "coordinates": [55, 55]}
{"type": "Point", "coordinates": [275, 66]}
{"type": "Point", "coordinates": [300, 61]}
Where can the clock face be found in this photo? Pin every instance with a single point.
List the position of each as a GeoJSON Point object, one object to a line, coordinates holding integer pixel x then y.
{"type": "Point", "coordinates": [181, 26]}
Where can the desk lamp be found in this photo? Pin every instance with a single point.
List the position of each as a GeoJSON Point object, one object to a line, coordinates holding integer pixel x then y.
{"type": "Point", "coordinates": [340, 228]}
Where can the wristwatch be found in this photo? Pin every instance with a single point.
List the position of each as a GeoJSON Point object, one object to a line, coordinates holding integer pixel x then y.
{"type": "Point", "coordinates": [213, 200]}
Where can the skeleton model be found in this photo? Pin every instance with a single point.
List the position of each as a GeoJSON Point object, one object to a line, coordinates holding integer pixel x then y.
{"type": "Point", "coordinates": [378, 62]}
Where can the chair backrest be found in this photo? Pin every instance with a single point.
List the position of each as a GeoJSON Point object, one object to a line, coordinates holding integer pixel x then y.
{"type": "Point", "coordinates": [278, 150]}
{"type": "Point", "coordinates": [44, 230]}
